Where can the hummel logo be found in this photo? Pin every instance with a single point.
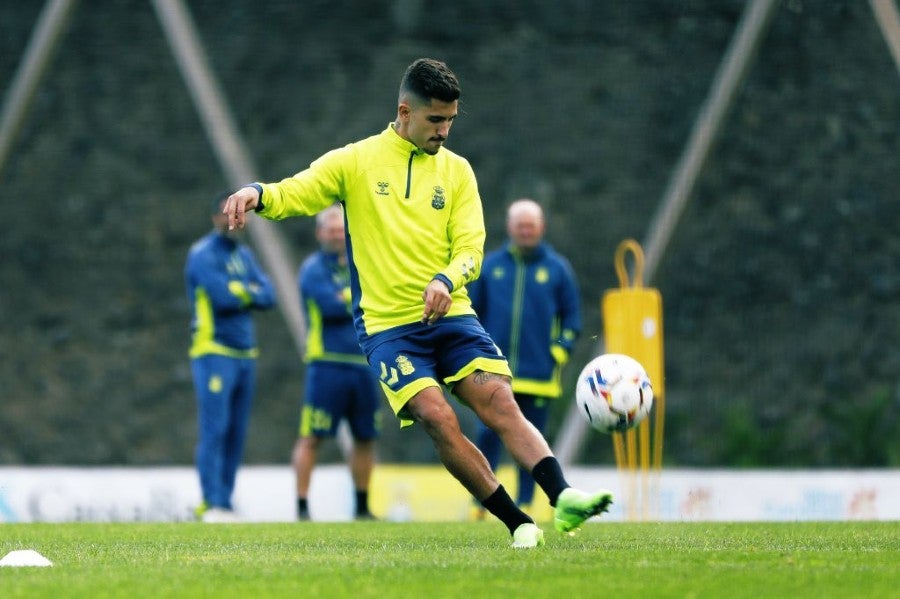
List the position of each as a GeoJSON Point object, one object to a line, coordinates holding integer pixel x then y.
{"type": "Point", "coordinates": [389, 375]}
{"type": "Point", "coordinates": [383, 187]}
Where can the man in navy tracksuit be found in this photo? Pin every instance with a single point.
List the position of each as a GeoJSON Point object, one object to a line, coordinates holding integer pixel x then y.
{"type": "Point", "coordinates": [339, 383]}
{"type": "Point", "coordinates": [224, 285]}
{"type": "Point", "coordinates": [528, 301]}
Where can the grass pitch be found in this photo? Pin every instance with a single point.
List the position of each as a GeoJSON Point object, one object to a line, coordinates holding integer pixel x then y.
{"type": "Point", "coordinates": [459, 560]}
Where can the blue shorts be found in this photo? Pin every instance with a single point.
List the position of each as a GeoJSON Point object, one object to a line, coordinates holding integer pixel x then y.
{"type": "Point", "coordinates": [413, 357]}
{"type": "Point", "coordinates": [340, 391]}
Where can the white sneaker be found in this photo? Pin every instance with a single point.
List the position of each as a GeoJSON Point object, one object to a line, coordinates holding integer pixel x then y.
{"type": "Point", "coordinates": [217, 515]}
{"type": "Point", "coordinates": [527, 536]}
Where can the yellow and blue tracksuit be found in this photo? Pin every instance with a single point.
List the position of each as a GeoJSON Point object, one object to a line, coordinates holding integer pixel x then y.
{"type": "Point", "coordinates": [339, 383]}
{"type": "Point", "coordinates": [224, 284]}
{"type": "Point", "coordinates": [411, 217]}
{"type": "Point", "coordinates": [387, 184]}
{"type": "Point", "coordinates": [529, 304]}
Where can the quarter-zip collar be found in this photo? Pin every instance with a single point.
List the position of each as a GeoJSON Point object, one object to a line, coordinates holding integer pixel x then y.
{"type": "Point", "coordinates": [407, 148]}
{"type": "Point", "coordinates": [403, 146]}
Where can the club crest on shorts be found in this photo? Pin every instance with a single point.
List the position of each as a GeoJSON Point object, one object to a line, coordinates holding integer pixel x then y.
{"type": "Point", "coordinates": [405, 366]}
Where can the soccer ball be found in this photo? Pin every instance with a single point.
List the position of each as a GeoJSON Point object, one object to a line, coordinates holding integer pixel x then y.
{"type": "Point", "coordinates": [614, 393]}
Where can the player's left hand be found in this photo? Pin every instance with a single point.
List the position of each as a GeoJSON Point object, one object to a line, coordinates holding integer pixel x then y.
{"type": "Point", "coordinates": [437, 301]}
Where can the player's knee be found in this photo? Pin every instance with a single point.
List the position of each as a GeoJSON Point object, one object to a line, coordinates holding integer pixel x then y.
{"type": "Point", "coordinates": [500, 408]}
{"type": "Point", "coordinates": [502, 400]}
{"type": "Point", "coordinates": [433, 414]}
{"type": "Point", "coordinates": [437, 417]}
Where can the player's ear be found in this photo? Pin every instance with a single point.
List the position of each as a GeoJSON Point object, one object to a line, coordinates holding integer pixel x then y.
{"type": "Point", "coordinates": [403, 111]}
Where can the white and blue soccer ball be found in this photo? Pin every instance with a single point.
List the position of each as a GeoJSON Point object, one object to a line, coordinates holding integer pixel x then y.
{"type": "Point", "coordinates": [614, 393]}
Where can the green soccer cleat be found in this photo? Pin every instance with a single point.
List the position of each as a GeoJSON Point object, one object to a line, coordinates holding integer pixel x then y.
{"type": "Point", "coordinates": [573, 507]}
{"type": "Point", "coordinates": [527, 536]}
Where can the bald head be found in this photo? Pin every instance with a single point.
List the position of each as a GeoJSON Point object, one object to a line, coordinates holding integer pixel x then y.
{"type": "Point", "coordinates": [330, 229]}
{"type": "Point", "coordinates": [525, 224]}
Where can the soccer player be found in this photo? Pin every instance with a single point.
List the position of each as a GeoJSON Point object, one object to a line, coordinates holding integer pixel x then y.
{"type": "Point", "coordinates": [339, 384]}
{"type": "Point", "coordinates": [224, 286]}
{"type": "Point", "coordinates": [527, 300]}
{"type": "Point", "coordinates": [415, 238]}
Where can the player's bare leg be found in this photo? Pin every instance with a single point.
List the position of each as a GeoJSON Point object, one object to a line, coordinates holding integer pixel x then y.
{"type": "Point", "coordinates": [468, 465]}
{"type": "Point", "coordinates": [491, 398]}
{"type": "Point", "coordinates": [362, 461]}
{"type": "Point", "coordinates": [303, 458]}
{"type": "Point", "coordinates": [459, 455]}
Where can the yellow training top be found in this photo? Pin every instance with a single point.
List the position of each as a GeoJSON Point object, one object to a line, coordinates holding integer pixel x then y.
{"type": "Point", "coordinates": [410, 217]}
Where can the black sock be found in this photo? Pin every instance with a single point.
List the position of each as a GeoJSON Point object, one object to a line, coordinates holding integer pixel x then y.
{"type": "Point", "coordinates": [501, 505]}
{"type": "Point", "coordinates": [362, 503]}
{"type": "Point", "coordinates": [302, 508]}
{"type": "Point", "coordinates": [548, 474]}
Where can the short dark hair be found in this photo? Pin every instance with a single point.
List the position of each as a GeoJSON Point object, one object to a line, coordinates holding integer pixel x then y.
{"type": "Point", "coordinates": [429, 79]}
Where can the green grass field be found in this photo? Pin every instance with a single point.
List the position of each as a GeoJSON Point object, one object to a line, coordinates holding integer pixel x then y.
{"type": "Point", "coordinates": [460, 560]}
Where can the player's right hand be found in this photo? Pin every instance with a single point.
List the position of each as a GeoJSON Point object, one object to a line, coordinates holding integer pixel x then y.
{"type": "Point", "coordinates": [437, 301]}
{"type": "Point", "coordinates": [237, 206]}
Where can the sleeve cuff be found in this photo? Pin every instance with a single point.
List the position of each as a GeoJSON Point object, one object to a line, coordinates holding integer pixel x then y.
{"type": "Point", "coordinates": [443, 279]}
{"type": "Point", "coordinates": [259, 190]}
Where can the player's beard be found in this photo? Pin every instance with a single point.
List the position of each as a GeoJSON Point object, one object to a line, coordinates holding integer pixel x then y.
{"type": "Point", "coordinates": [432, 150]}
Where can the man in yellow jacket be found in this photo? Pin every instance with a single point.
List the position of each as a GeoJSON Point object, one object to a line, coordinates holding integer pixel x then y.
{"type": "Point", "coordinates": [415, 237]}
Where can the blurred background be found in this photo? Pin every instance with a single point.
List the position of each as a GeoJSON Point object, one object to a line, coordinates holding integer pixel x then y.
{"type": "Point", "coordinates": [780, 285]}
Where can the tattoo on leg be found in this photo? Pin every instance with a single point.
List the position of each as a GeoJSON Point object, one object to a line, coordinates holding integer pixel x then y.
{"type": "Point", "coordinates": [482, 377]}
